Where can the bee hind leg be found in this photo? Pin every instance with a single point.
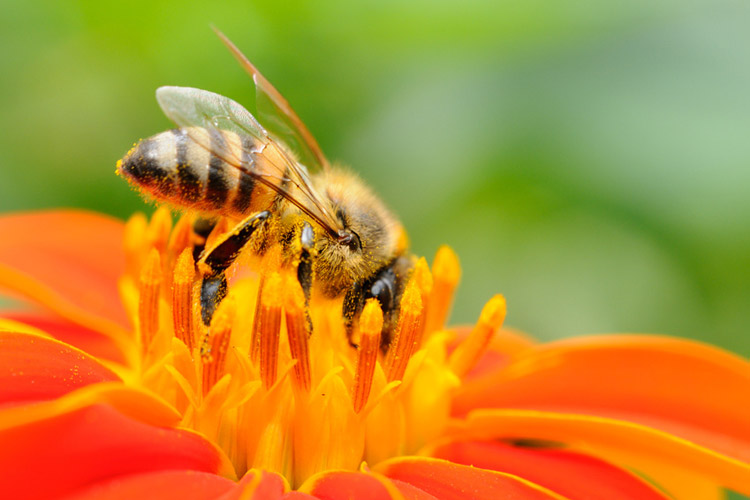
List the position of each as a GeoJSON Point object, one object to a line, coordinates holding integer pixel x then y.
{"type": "Point", "coordinates": [214, 262]}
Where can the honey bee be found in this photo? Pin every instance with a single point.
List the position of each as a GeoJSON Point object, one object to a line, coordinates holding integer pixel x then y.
{"type": "Point", "coordinates": [222, 162]}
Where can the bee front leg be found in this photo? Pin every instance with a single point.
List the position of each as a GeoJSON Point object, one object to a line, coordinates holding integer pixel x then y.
{"type": "Point", "coordinates": [214, 262]}
{"type": "Point", "coordinates": [386, 286]}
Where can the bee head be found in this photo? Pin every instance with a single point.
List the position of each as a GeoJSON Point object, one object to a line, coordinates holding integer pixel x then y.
{"type": "Point", "coordinates": [366, 240]}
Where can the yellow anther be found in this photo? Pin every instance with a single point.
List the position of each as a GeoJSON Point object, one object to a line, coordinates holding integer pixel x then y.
{"type": "Point", "coordinates": [403, 344]}
{"type": "Point", "coordinates": [468, 352]}
{"type": "Point", "coordinates": [370, 328]}
{"type": "Point", "coordinates": [159, 229]}
{"type": "Point", "coordinates": [217, 344]}
{"type": "Point", "coordinates": [446, 273]}
{"type": "Point", "coordinates": [133, 239]}
{"type": "Point", "coordinates": [182, 298]}
{"type": "Point", "coordinates": [181, 237]}
{"type": "Point", "coordinates": [268, 325]}
{"type": "Point", "coordinates": [423, 278]}
{"type": "Point", "coordinates": [148, 301]}
{"type": "Point", "coordinates": [297, 331]}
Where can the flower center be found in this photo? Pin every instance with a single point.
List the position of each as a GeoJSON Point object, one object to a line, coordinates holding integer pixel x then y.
{"type": "Point", "coordinates": [274, 381]}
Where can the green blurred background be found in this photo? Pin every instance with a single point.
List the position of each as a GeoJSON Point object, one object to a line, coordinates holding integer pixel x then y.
{"type": "Point", "coordinates": [588, 159]}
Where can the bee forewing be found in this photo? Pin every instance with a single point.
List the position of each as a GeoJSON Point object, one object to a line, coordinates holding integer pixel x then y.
{"type": "Point", "coordinates": [189, 107]}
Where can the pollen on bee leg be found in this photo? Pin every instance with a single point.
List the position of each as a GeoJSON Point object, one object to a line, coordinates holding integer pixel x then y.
{"type": "Point", "coordinates": [297, 331]}
{"type": "Point", "coordinates": [148, 301]}
{"type": "Point", "coordinates": [370, 328]}
{"type": "Point", "coordinates": [446, 272]}
{"type": "Point", "coordinates": [182, 298]}
{"type": "Point", "coordinates": [214, 351]}
{"type": "Point", "coordinates": [409, 323]}
{"type": "Point", "coordinates": [268, 326]}
{"type": "Point", "coordinates": [423, 278]}
{"type": "Point", "coordinates": [468, 352]}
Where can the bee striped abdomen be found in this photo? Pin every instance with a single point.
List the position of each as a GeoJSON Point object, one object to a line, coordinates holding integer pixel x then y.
{"type": "Point", "coordinates": [173, 167]}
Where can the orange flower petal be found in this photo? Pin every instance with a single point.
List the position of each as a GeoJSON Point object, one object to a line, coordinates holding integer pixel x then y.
{"type": "Point", "coordinates": [162, 484]}
{"type": "Point", "coordinates": [568, 473]}
{"type": "Point", "coordinates": [69, 261]}
{"type": "Point", "coordinates": [343, 485]}
{"type": "Point", "coordinates": [686, 388]}
{"type": "Point", "coordinates": [447, 481]}
{"type": "Point", "coordinates": [411, 492]}
{"type": "Point", "coordinates": [629, 445]}
{"type": "Point", "coordinates": [51, 457]}
{"type": "Point", "coordinates": [257, 485]}
{"type": "Point", "coordinates": [89, 341]}
{"type": "Point", "coordinates": [34, 368]}
{"type": "Point", "coordinates": [505, 346]}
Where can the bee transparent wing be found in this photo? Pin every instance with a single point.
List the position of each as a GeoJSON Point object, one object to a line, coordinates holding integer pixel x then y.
{"type": "Point", "coordinates": [277, 115]}
{"type": "Point", "coordinates": [202, 114]}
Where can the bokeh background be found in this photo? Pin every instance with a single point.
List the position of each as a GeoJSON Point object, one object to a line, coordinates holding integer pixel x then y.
{"type": "Point", "coordinates": [588, 159]}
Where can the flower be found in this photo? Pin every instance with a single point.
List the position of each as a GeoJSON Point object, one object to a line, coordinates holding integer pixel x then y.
{"type": "Point", "coordinates": [256, 407]}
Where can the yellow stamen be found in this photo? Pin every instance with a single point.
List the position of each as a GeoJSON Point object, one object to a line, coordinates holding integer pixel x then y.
{"type": "Point", "coordinates": [446, 272]}
{"type": "Point", "coordinates": [467, 354]}
{"type": "Point", "coordinates": [423, 278]}
{"type": "Point", "coordinates": [181, 237]}
{"type": "Point", "coordinates": [182, 298]}
{"type": "Point", "coordinates": [148, 301]}
{"type": "Point", "coordinates": [159, 229]}
{"type": "Point", "coordinates": [269, 326]}
{"type": "Point", "coordinates": [297, 332]}
{"type": "Point", "coordinates": [409, 322]}
{"type": "Point", "coordinates": [370, 327]}
{"type": "Point", "coordinates": [135, 229]}
{"type": "Point", "coordinates": [217, 343]}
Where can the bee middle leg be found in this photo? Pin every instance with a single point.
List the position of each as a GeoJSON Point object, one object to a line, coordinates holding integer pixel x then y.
{"type": "Point", "coordinates": [214, 262]}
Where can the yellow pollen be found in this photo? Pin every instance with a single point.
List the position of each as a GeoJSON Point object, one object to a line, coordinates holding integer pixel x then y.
{"type": "Point", "coordinates": [467, 354]}
{"type": "Point", "coordinates": [423, 278]}
{"type": "Point", "coordinates": [409, 322]}
{"type": "Point", "coordinates": [182, 298]}
{"type": "Point", "coordinates": [446, 273]}
{"type": "Point", "coordinates": [370, 327]}
{"type": "Point", "coordinates": [297, 332]}
{"type": "Point", "coordinates": [148, 301]}
{"type": "Point", "coordinates": [217, 343]}
{"type": "Point", "coordinates": [268, 328]}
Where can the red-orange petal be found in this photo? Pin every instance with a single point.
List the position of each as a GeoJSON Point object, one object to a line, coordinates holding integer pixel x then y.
{"type": "Point", "coordinates": [411, 492]}
{"type": "Point", "coordinates": [646, 450]}
{"type": "Point", "coordinates": [568, 473]}
{"type": "Point", "coordinates": [34, 368]}
{"type": "Point", "coordinates": [59, 455]}
{"type": "Point", "coordinates": [449, 481]}
{"type": "Point", "coordinates": [85, 339]}
{"type": "Point", "coordinates": [257, 485]}
{"type": "Point", "coordinates": [689, 389]}
{"type": "Point", "coordinates": [343, 485]}
{"type": "Point", "coordinates": [67, 260]}
{"type": "Point", "coordinates": [161, 484]}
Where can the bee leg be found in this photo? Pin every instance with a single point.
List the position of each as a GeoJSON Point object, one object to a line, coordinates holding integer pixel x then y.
{"type": "Point", "coordinates": [202, 227]}
{"type": "Point", "coordinates": [216, 260]}
{"type": "Point", "coordinates": [386, 286]}
{"type": "Point", "coordinates": [305, 267]}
